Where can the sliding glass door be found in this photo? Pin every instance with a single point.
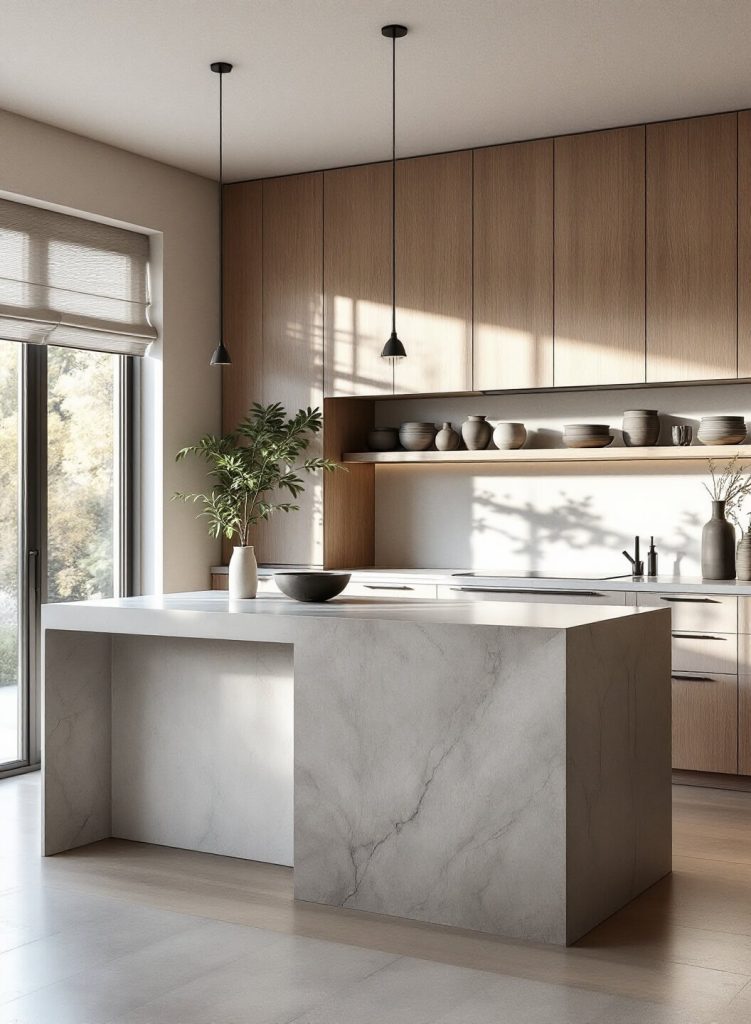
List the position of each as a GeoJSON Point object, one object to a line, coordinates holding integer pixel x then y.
{"type": "Point", "coordinates": [64, 508]}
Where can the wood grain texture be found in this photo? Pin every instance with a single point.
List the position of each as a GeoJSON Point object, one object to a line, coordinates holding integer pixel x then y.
{"type": "Point", "coordinates": [513, 266]}
{"type": "Point", "coordinates": [348, 496]}
{"type": "Point", "coordinates": [744, 724]}
{"type": "Point", "coordinates": [243, 300]}
{"type": "Point", "coordinates": [599, 258]}
{"type": "Point", "coordinates": [677, 454]}
{"type": "Point", "coordinates": [434, 273]}
{"type": "Point", "coordinates": [357, 279]}
{"type": "Point", "coordinates": [705, 723]}
{"type": "Point", "coordinates": [744, 243]}
{"type": "Point", "coordinates": [293, 345]}
{"type": "Point", "coordinates": [692, 249]}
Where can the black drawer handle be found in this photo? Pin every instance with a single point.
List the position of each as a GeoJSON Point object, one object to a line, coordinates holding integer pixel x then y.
{"type": "Point", "coordinates": [386, 586]}
{"type": "Point", "coordinates": [527, 590]}
{"type": "Point", "coordinates": [698, 636]}
{"type": "Point", "coordinates": [693, 679]}
{"type": "Point", "coordinates": [691, 600]}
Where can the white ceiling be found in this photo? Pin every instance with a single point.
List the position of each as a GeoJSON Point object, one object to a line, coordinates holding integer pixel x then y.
{"type": "Point", "coordinates": [311, 85]}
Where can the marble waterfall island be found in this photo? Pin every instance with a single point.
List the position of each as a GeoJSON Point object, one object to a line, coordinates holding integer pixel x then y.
{"type": "Point", "coordinates": [499, 767]}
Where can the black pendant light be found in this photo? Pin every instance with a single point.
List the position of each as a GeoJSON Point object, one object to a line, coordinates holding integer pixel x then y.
{"type": "Point", "coordinates": [393, 349]}
{"type": "Point", "coordinates": [221, 356]}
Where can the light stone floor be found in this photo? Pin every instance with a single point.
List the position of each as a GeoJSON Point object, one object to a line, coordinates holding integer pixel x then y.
{"type": "Point", "coordinates": [123, 932]}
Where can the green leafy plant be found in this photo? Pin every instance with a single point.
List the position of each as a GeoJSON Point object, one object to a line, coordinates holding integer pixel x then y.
{"type": "Point", "coordinates": [731, 485]}
{"type": "Point", "coordinates": [264, 454]}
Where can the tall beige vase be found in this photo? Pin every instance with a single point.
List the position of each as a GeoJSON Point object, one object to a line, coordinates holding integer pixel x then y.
{"type": "Point", "coordinates": [243, 573]}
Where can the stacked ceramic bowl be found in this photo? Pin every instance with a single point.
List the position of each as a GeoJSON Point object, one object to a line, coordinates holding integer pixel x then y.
{"type": "Point", "coordinates": [722, 430]}
{"type": "Point", "coordinates": [417, 437]}
{"type": "Point", "coordinates": [587, 435]}
{"type": "Point", "coordinates": [641, 428]}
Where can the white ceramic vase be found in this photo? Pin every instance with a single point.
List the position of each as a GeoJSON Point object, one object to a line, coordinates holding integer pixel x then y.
{"type": "Point", "coordinates": [243, 573]}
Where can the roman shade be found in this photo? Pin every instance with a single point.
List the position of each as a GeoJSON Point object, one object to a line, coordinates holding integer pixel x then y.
{"type": "Point", "coordinates": [72, 282]}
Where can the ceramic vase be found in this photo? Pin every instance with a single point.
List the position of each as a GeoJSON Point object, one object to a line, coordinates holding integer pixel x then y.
{"type": "Point", "coordinates": [476, 432]}
{"type": "Point", "coordinates": [641, 428]}
{"type": "Point", "coordinates": [718, 546]}
{"type": "Point", "coordinates": [743, 559]}
{"type": "Point", "coordinates": [243, 573]}
{"type": "Point", "coordinates": [509, 436]}
{"type": "Point", "coordinates": [447, 439]}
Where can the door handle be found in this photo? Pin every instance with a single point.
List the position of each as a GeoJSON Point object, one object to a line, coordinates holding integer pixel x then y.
{"type": "Point", "coordinates": [692, 679]}
{"type": "Point", "coordinates": [691, 600]}
{"type": "Point", "coordinates": [698, 636]}
{"type": "Point", "coordinates": [386, 586]}
{"type": "Point", "coordinates": [527, 590]}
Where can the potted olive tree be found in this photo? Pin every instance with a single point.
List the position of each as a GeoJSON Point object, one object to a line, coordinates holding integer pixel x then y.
{"type": "Point", "coordinates": [251, 469]}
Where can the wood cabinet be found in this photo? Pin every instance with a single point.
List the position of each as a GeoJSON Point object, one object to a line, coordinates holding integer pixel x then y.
{"type": "Point", "coordinates": [705, 722]}
{"type": "Point", "coordinates": [434, 273]}
{"type": "Point", "coordinates": [599, 258]}
{"type": "Point", "coordinates": [512, 266]}
{"type": "Point", "coordinates": [357, 280]}
{"type": "Point", "coordinates": [692, 249]}
{"type": "Point", "coordinates": [476, 592]}
{"type": "Point", "coordinates": [744, 243]}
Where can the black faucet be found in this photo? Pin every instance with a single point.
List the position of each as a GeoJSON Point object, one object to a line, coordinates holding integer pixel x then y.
{"type": "Point", "coordinates": [637, 566]}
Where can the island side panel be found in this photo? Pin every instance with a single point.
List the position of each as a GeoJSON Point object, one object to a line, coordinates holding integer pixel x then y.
{"type": "Point", "coordinates": [76, 738]}
{"type": "Point", "coordinates": [202, 736]}
{"type": "Point", "coordinates": [430, 774]}
{"type": "Point", "coordinates": [618, 791]}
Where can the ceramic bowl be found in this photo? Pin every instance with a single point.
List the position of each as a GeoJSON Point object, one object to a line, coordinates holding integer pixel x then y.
{"type": "Point", "coordinates": [509, 436]}
{"type": "Point", "coordinates": [586, 428]}
{"type": "Point", "coordinates": [312, 586]}
{"type": "Point", "coordinates": [722, 430]}
{"type": "Point", "coordinates": [383, 439]}
{"type": "Point", "coordinates": [417, 437]}
{"type": "Point", "coordinates": [593, 441]}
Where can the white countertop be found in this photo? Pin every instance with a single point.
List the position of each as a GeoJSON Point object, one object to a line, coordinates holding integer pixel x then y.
{"type": "Point", "coordinates": [456, 578]}
{"type": "Point", "coordinates": [273, 618]}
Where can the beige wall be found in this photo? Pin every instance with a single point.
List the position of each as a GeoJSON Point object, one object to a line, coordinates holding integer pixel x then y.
{"type": "Point", "coordinates": [181, 393]}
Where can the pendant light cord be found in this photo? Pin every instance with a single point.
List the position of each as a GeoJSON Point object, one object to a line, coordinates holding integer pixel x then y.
{"type": "Point", "coordinates": [393, 183]}
{"type": "Point", "coordinates": [221, 215]}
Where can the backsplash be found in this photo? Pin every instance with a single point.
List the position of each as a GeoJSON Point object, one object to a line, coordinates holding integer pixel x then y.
{"type": "Point", "coordinates": [553, 517]}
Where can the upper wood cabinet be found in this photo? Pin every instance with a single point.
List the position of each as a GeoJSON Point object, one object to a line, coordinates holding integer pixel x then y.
{"type": "Point", "coordinates": [513, 266]}
{"type": "Point", "coordinates": [692, 249]}
{"type": "Point", "coordinates": [293, 343]}
{"type": "Point", "coordinates": [357, 280]}
{"type": "Point", "coordinates": [243, 300]}
{"type": "Point", "coordinates": [599, 258]}
{"type": "Point", "coordinates": [434, 273]}
{"type": "Point", "coordinates": [744, 243]}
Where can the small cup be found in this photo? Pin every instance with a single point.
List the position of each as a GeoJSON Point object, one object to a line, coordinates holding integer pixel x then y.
{"type": "Point", "coordinates": [683, 434]}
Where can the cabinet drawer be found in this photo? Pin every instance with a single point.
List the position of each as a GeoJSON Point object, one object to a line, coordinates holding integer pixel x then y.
{"type": "Point", "coordinates": [557, 596]}
{"type": "Point", "coordinates": [705, 722]}
{"type": "Point", "coordinates": [744, 614]}
{"type": "Point", "coordinates": [696, 613]}
{"type": "Point", "coordinates": [744, 724]}
{"type": "Point", "coordinates": [705, 652]}
{"type": "Point", "coordinates": [400, 591]}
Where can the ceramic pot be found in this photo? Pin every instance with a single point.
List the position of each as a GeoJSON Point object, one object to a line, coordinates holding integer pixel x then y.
{"type": "Point", "coordinates": [743, 559]}
{"type": "Point", "coordinates": [447, 439]}
{"type": "Point", "coordinates": [641, 428]}
{"type": "Point", "coordinates": [718, 546]}
{"type": "Point", "coordinates": [476, 433]}
{"type": "Point", "coordinates": [243, 573]}
{"type": "Point", "coordinates": [383, 439]}
{"type": "Point", "coordinates": [417, 437]}
{"type": "Point", "coordinates": [722, 430]}
{"type": "Point", "coordinates": [508, 436]}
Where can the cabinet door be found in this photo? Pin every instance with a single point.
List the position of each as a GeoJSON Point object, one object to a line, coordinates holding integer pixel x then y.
{"type": "Point", "coordinates": [705, 722]}
{"type": "Point", "coordinates": [433, 273]}
{"type": "Point", "coordinates": [692, 249]}
{"type": "Point", "coordinates": [599, 258]}
{"type": "Point", "coordinates": [744, 243]}
{"type": "Point", "coordinates": [513, 266]}
{"type": "Point", "coordinates": [357, 280]}
{"type": "Point", "coordinates": [293, 344]}
{"type": "Point", "coordinates": [243, 300]}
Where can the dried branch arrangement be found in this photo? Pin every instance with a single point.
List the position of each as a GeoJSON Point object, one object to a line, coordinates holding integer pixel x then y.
{"type": "Point", "coordinates": [731, 485]}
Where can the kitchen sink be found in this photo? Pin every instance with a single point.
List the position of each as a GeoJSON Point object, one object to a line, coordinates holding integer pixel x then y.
{"type": "Point", "coordinates": [539, 574]}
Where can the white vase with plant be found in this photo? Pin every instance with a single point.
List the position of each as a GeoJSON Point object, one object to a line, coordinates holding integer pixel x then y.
{"type": "Point", "coordinates": [251, 468]}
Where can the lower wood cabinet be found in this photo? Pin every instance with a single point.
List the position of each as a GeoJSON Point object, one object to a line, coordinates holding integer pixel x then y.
{"type": "Point", "coordinates": [744, 724]}
{"type": "Point", "coordinates": [705, 722]}
{"type": "Point", "coordinates": [478, 593]}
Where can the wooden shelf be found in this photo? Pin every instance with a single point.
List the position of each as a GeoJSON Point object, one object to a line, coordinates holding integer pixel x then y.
{"type": "Point", "coordinates": [665, 454]}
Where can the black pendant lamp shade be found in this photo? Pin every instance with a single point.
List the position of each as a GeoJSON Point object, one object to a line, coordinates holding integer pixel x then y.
{"type": "Point", "coordinates": [393, 349]}
{"type": "Point", "coordinates": [221, 356]}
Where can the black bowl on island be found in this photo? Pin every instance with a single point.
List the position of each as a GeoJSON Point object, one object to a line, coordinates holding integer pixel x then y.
{"type": "Point", "coordinates": [312, 586]}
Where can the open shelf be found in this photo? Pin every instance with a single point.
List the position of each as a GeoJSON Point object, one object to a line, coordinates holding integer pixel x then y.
{"type": "Point", "coordinates": [665, 453]}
